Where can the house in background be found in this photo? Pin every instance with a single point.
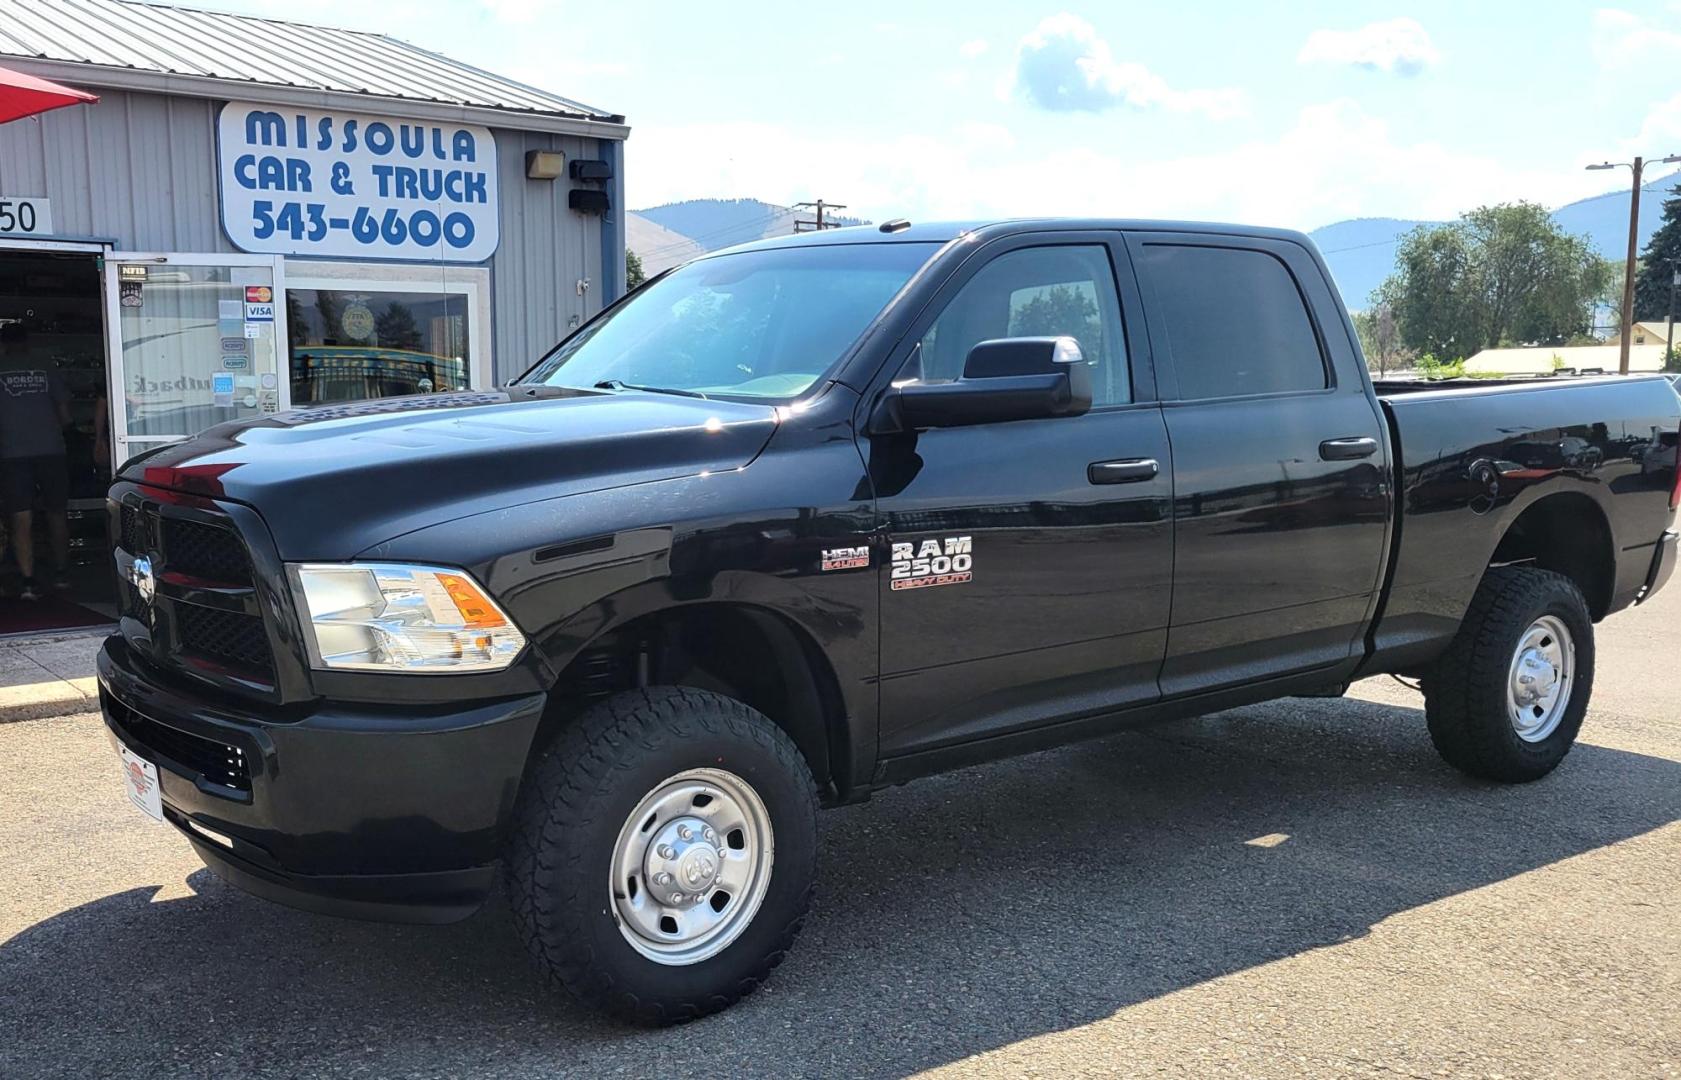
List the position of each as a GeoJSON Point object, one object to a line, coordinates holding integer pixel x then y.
{"type": "Point", "coordinates": [1649, 332]}
{"type": "Point", "coordinates": [1540, 360]}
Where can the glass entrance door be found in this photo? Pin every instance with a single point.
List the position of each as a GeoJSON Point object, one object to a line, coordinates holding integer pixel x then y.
{"type": "Point", "coordinates": [195, 340]}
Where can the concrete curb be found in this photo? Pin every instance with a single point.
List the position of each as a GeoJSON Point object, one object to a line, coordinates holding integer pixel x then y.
{"type": "Point", "coordinates": [50, 675]}
{"type": "Point", "coordinates": [56, 697]}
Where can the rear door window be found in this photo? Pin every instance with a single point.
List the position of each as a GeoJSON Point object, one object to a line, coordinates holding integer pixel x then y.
{"type": "Point", "coordinates": [1235, 321]}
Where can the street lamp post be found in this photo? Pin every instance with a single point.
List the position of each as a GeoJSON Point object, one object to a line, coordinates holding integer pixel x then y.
{"type": "Point", "coordinates": [1669, 324]}
{"type": "Point", "coordinates": [1637, 166]}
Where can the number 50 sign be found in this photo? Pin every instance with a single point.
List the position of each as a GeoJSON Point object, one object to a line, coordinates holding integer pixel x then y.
{"type": "Point", "coordinates": [25, 215]}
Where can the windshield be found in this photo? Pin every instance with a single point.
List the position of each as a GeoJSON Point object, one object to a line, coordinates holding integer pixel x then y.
{"type": "Point", "coordinates": [759, 324]}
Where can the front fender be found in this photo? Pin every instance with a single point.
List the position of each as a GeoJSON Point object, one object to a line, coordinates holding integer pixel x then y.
{"type": "Point", "coordinates": [571, 569]}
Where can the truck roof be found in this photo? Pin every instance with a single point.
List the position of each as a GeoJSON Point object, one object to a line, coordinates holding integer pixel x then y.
{"type": "Point", "coordinates": [945, 231]}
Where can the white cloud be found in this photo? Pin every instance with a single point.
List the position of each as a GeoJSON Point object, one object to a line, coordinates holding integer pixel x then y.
{"type": "Point", "coordinates": [969, 50]}
{"type": "Point", "coordinates": [1660, 131]}
{"type": "Point", "coordinates": [1621, 39]}
{"type": "Point", "coordinates": [1335, 161]}
{"type": "Point", "coordinates": [1064, 66]}
{"type": "Point", "coordinates": [1635, 55]}
{"type": "Point", "coordinates": [1398, 45]}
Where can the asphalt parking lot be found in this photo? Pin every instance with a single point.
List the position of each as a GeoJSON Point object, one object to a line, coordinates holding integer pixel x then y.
{"type": "Point", "coordinates": [1295, 888]}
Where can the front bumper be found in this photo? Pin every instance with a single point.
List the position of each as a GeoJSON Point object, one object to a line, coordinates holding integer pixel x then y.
{"type": "Point", "coordinates": [1663, 565]}
{"type": "Point", "coordinates": [363, 811]}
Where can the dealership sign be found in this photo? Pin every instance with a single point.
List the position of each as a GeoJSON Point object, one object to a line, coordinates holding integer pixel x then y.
{"type": "Point", "coordinates": [303, 182]}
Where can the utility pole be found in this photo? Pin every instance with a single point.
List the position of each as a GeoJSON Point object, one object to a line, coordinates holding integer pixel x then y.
{"type": "Point", "coordinates": [818, 225]}
{"type": "Point", "coordinates": [1626, 334]}
{"type": "Point", "coordinates": [1669, 325]}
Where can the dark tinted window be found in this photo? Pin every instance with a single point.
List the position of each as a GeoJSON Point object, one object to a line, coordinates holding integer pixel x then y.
{"type": "Point", "coordinates": [758, 324]}
{"type": "Point", "coordinates": [1235, 322]}
{"type": "Point", "coordinates": [1036, 292]}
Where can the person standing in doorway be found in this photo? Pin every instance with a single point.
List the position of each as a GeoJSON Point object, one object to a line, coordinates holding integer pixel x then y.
{"type": "Point", "coordinates": [34, 411]}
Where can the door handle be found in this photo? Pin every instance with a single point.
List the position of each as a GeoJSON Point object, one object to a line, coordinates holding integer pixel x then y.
{"type": "Point", "coordinates": [1351, 449]}
{"type": "Point", "coordinates": [1128, 471]}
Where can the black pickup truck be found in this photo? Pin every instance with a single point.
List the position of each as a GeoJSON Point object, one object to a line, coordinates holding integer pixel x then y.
{"type": "Point", "coordinates": [817, 515]}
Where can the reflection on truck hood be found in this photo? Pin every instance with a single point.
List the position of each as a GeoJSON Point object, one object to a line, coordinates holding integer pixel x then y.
{"type": "Point", "coordinates": [378, 469]}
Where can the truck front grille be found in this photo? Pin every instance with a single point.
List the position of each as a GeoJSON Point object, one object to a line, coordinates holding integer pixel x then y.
{"type": "Point", "coordinates": [130, 605]}
{"type": "Point", "coordinates": [205, 611]}
{"type": "Point", "coordinates": [134, 535]}
{"type": "Point", "coordinates": [224, 637]}
{"type": "Point", "coordinates": [204, 551]}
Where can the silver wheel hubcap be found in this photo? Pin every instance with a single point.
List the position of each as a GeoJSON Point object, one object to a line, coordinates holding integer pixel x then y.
{"type": "Point", "coordinates": [1538, 688]}
{"type": "Point", "coordinates": [691, 866]}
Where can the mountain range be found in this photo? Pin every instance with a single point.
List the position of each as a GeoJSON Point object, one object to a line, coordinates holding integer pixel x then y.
{"type": "Point", "coordinates": [664, 236]}
{"type": "Point", "coordinates": [1360, 251]}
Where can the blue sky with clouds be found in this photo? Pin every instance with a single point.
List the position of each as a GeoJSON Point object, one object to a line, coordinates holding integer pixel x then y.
{"type": "Point", "coordinates": [1290, 114]}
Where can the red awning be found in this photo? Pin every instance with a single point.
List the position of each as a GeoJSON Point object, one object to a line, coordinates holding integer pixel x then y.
{"type": "Point", "coordinates": [24, 95]}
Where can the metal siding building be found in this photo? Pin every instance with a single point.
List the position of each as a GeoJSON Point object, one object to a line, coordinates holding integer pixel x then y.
{"type": "Point", "coordinates": [139, 170]}
{"type": "Point", "coordinates": [257, 216]}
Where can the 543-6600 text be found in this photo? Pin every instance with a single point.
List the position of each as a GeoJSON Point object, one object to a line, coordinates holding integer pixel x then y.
{"type": "Point", "coordinates": [310, 221]}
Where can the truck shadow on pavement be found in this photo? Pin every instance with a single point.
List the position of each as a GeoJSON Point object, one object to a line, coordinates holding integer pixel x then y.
{"type": "Point", "coordinates": [956, 916]}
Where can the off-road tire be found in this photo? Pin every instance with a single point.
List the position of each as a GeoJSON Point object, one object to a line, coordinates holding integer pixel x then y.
{"type": "Point", "coordinates": [1465, 691]}
{"type": "Point", "coordinates": [570, 811]}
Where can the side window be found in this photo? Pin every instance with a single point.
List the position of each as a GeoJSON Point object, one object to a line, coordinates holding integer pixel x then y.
{"type": "Point", "coordinates": [1036, 292]}
{"type": "Point", "coordinates": [1235, 321]}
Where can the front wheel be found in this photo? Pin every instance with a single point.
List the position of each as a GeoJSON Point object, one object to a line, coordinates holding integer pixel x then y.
{"type": "Point", "coordinates": [663, 854]}
{"type": "Point", "coordinates": [1506, 700]}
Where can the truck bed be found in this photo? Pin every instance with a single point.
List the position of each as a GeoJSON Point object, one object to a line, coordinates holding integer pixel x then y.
{"type": "Point", "coordinates": [1397, 387]}
{"type": "Point", "coordinates": [1473, 455]}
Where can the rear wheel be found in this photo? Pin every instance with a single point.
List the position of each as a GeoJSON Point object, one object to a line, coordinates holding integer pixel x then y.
{"type": "Point", "coordinates": [1506, 700]}
{"type": "Point", "coordinates": [663, 854]}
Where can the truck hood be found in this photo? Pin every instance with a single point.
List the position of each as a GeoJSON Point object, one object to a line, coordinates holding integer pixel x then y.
{"type": "Point", "coordinates": [332, 481]}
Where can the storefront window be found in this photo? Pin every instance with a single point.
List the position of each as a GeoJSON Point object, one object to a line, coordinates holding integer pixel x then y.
{"type": "Point", "coordinates": [196, 344]}
{"type": "Point", "coordinates": [350, 343]}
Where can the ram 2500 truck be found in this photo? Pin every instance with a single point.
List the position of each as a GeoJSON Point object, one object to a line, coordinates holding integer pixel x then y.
{"type": "Point", "coordinates": [817, 515]}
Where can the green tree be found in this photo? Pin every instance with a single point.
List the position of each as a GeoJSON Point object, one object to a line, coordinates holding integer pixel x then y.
{"type": "Point", "coordinates": [634, 275]}
{"type": "Point", "coordinates": [1661, 258]}
{"type": "Point", "coordinates": [1380, 338]}
{"type": "Point", "coordinates": [1499, 274]}
{"type": "Point", "coordinates": [1061, 310]}
{"type": "Point", "coordinates": [328, 308]}
{"type": "Point", "coordinates": [297, 327]}
{"type": "Point", "coordinates": [395, 328]}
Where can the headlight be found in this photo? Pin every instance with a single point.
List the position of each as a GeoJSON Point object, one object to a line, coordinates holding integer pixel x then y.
{"type": "Point", "coordinates": [400, 617]}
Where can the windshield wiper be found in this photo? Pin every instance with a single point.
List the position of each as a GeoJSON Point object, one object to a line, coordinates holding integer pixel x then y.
{"type": "Point", "coordinates": [620, 384]}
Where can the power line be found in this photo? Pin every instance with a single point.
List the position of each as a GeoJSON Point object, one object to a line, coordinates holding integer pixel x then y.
{"type": "Point", "coordinates": [700, 238]}
{"type": "Point", "coordinates": [756, 222]}
{"type": "Point", "coordinates": [818, 225]}
{"type": "Point", "coordinates": [752, 227]}
{"type": "Point", "coordinates": [756, 225]}
{"type": "Point", "coordinates": [1357, 247]}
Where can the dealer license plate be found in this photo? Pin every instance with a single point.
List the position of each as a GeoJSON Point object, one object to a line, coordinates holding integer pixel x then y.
{"type": "Point", "coordinates": [141, 778]}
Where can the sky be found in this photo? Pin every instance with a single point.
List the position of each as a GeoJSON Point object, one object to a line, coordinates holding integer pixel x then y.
{"type": "Point", "coordinates": [1291, 114]}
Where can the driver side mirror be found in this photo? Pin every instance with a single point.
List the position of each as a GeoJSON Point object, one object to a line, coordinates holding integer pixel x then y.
{"type": "Point", "coordinates": [1003, 379]}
